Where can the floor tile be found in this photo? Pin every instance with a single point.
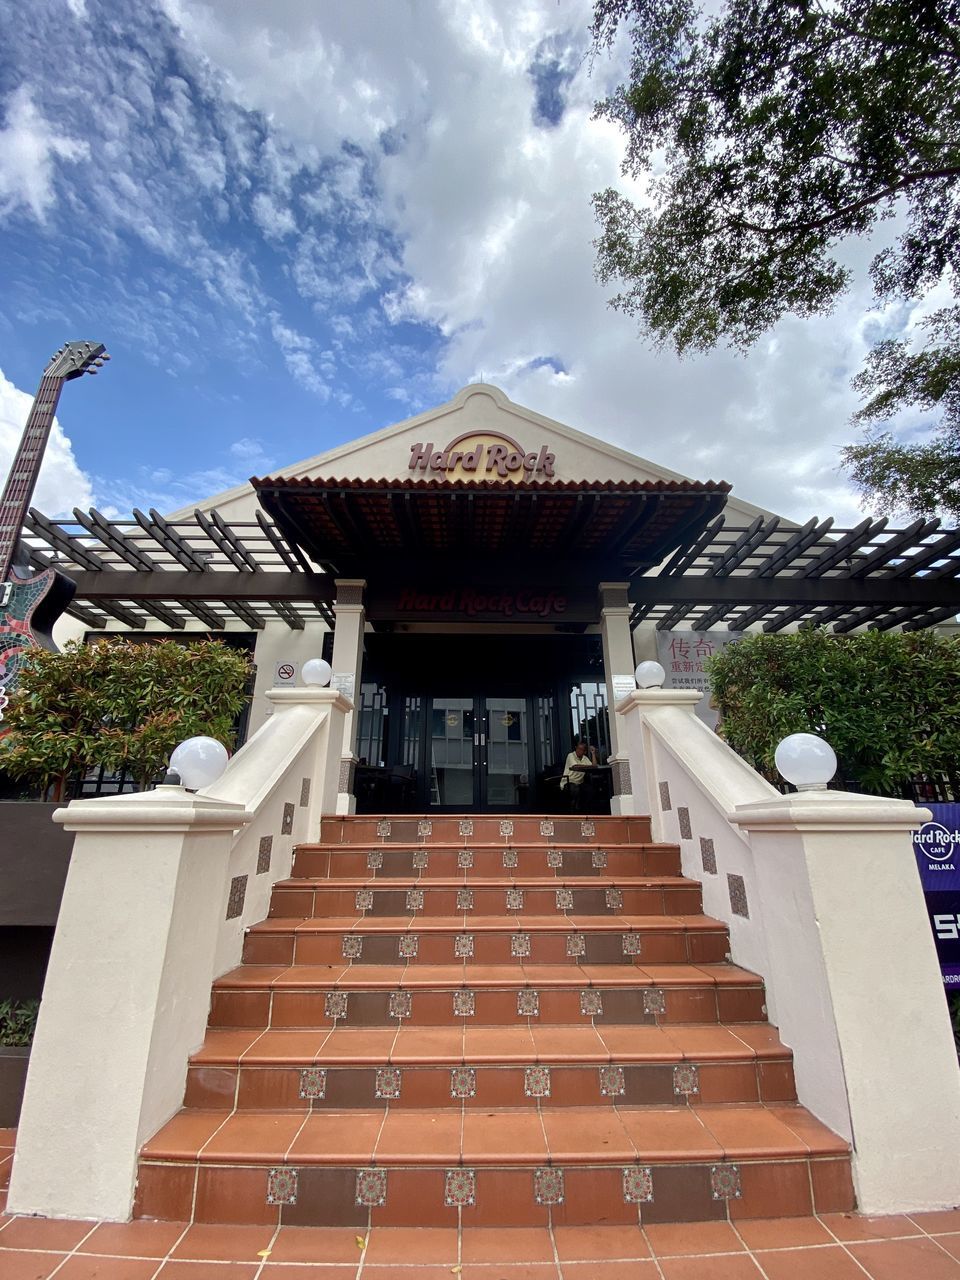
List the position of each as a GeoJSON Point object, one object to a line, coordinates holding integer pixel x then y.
{"type": "Point", "coordinates": [782, 1233]}
{"type": "Point", "coordinates": [898, 1259]}
{"type": "Point", "coordinates": [315, 1244]}
{"type": "Point", "coordinates": [176, 1270]}
{"type": "Point", "coordinates": [590, 1134]}
{"type": "Point", "coordinates": [611, 1270]}
{"type": "Point", "coordinates": [574, 1244]}
{"type": "Point", "coordinates": [137, 1239]}
{"type": "Point", "coordinates": [939, 1220]}
{"type": "Point", "coordinates": [487, 1139]}
{"type": "Point", "coordinates": [45, 1233]}
{"type": "Point", "coordinates": [88, 1266]}
{"type": "Point", "coordinates": [951, 1243]}
{"type": "Point", "coordinates": [671, 1239]}
{"type": "Point", "coordinates": [830, 1262]}
{"type": "Point", "coordinates": [716, 1267]}
{"type": "Point", "coordinates": [518, 1271]}
{"type": "Point", "coordinates": [291, 1271]}
{"type": "Point", "coordinates": [28, 1266]}
{"type": "Point", "coordinates": [405, 1272]}
{"type": "Point", "coordinates": [224, 1243]}
{"type": "Point", "coordinates": [851, 1226]}
{"type": "Point", "coordinates": [411, 1245]}
{"type": "Point", "coordinates": [428, 1137]}
{"type": "Point", "coordinates": [502, 1245]}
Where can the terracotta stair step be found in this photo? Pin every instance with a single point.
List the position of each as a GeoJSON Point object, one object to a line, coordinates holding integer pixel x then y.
{"type": "Point", "coordinates": [504, 863]}
{"type": "Point", "coordinates": [390, 828]}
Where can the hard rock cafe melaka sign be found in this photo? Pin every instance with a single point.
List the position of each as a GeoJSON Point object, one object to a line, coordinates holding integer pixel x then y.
{"type": "Point", "coordinates": [481, 455]}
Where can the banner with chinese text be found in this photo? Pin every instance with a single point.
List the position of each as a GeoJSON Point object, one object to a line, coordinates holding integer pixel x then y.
{"type": "Point", "coordinates": [682, 655]}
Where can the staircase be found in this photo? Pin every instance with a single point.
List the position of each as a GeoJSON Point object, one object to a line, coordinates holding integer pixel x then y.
{"type": "Point", "coordinates": [496, 1021]}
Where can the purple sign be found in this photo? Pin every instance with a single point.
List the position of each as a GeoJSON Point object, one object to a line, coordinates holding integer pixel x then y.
{"type": "Point", "coordinates": [937, 846]}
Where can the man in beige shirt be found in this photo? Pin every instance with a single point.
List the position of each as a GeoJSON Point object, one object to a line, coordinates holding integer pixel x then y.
{"type": "Point", "coordinates": [574, 773]}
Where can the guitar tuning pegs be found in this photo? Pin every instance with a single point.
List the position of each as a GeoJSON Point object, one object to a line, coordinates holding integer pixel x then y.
{"type": "Point", "coordinates": [105, 356]}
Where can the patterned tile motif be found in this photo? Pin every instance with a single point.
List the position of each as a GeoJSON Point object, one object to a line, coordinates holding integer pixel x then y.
{"type": "Point", "coordinates": [725, 1182]}
{"type": "Point", "coordinates": [637, 1184]}
{"type": "Point", "coordinates": [463, 946]}
{"type": "Point", "coordinates": [464, 1004]}
{"type": "Point", "coordinates": [555, 859]}
{"type": "Point", "coordinates": [408, 946]}
{"type": "Point", "coordinates": [546, 826]}
{"type": "Point", "coordinates": [388, 1082]}
{"type": "Point", "coordinates": [352, 946]}
{"type": "Point", "coordinates": [286, 822]}
{"type": "Point", "coordinates": [282, 1186]}
{"type": "Point", "coordinates": [465, 859]}
{"type": "Point", "coordinates": [238, 894]}
{"type": "Point", "coordinates": [611, 1082]}
{"type": "Point", "coordinates": [460, 1188]}
{"type": "Point", "coordinates": [653, 1001]}
{"type": "Point", "coordinates": [536, 1082]}
{"type": "Point", "coordinates": [466, 826]}
{"type": "Point", "coordinates": [564, 899]}
{"type": "Point", "coordinates": [520, 946]}
{"type": "Point", "coordinates": [588, 829]}
{"type": "Point", "coordinates": [686, 1080]}
{"type": "Point", "coordinates": [313, 1082]}
{"type": "Point", "coordinates": [591, 1003]}
{"type": "Point", "coordinates": [599, 859]}
{"type": "Point", "coordinates": [683, 817]}
{"type": "Point", "coordinates": [576, 945]}
{"type": "Point", "coordinates": [424, 828]}
{"type": "Point", "coordinates": [463, 1082]}
{"type": "Point", "coordinates": [514, 899]}
{"type": "Point", "coordinates": [737, 889]}
{"type": "Point", "coordinates": [421, 859]}
{"type": "Point", "coordinates": [364, 899]}
{"type": "Point", "coordinates": [414, 899]}
{"type": "Point", "coordinates": [400, 1004]}
{"type": "Point", "coordinates": [371, 1188]}
{"type": "Point", "coordinates": [464, 899]}
{"type": "Point", "coordinates": [506, 828]}
{"type": "Point", "coordinates": [614, 899]}
{"type": "Point", "coordinates": [335, 1004]}
{"type": "Point", "coordinates": [632, 944]}
{"type": "Point", "coordinates": [374, 859]}
{"type": "Point", "coordinates": [708, 856]}
{"type": "Point", "coordinates": [548, 1185]}
{"type": "Point", "coordinates": [528, 1003]}
{"type": "Point", "coordinates": [665, 804]}
{"type": "Point", "coordinates": [383, 828]}
{"type": "Point", "coordinates": [510, 859]}
{"type": "Point", "coordinates": [264, 854]}
{"type": "Point", "coordinates": [304, 793]}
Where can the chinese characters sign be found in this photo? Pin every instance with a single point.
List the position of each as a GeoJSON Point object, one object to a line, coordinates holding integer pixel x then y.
{"type": "Point", "coordinates": [682, 655]}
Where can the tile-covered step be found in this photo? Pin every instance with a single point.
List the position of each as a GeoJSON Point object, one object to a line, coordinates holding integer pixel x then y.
{"type": "Point", "coordinates": [501, 863]}
{"type": "Point", "coordinates": [482, 828]}
{"type": "Point", "coordinates": [385, 940]}
{"type": "Point", "coordinates": [439, 896]}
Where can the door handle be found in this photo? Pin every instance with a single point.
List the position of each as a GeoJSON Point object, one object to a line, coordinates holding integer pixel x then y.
{"type": "Point", "coordinates": [483, 739]}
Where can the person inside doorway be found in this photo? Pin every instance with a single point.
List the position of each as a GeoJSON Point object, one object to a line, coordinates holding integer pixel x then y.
{"type": "Point", "coordinates": [575, 773]}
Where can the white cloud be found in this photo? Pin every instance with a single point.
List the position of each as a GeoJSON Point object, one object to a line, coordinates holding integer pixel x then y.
{"type": "Point", "coordinates": [29, 147]}
{"type": "Point", "coordinates": [274, 219]}
{"type": "Point", "coordinates": [298, 355]}
{"type": "Point", "coordinates": [62, 485]}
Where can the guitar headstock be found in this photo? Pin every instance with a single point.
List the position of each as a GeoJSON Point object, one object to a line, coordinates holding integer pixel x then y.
{"type": "Point", "coordinates": [74, 359]}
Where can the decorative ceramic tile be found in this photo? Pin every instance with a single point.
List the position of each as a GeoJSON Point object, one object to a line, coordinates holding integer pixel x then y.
{"type": "Point", "coordinates": [282, 1186]}
{"type": "Point", "coordinates": [383, 828]}
{"type": "Point", "coordinates": [464, 1004]}
{"type": "Point", "coordinates": [520, 946]}
{"type": "Point", "coordinates": [686, 1079]}
{"type": "Point", "coordinates": [463, 1082]}
{"type": "Point", "coordinates": [464, 899]}
{"type": "Point", "coordinates": [737, 889]}
{"type": "Point", "coordinates": [465, 859]}
{"type": "Point", "coordinates": [506, 828]}
{"type": "Point", "coordinates": [374, 859]}
{"type": "Point", "coordinates": [408, 946]}
{"type": "Point", "coordinates": [576, 945]}
{"type": "Point", "coordinates": [536, 1082]}
{"type": "Point", "coordinates": [614, 899]}
{"type": "Point", "coordinates": [591, 1003]}
{"type": "Point", "coordinates": [683, 817]}
{"type": "Point", "coordinates": [665, 804]}
{"type": "Point", "coordinates": [653, 1001]}
{"type": "Point", "coordinates": [598, 859]}
{"type": "Point", "coordinates": [388, 1082]}
{"type": "Point", "coordinates": [546, 826]}
{"type": "Point", "coordinates": [421, 859]}
{"type": "Point", "coordinates": [466, 826]}
{"type": "Point", "coordinates": [335, 1004]}
{"type": "Point", "coordinates": [611, 1082]}
{"type": "Point", "coordinates": [548, 1185]}
{"type": "Point", "coordinates": [528, 1003]}
{"type": "Point", "coordinates": [424, 827]}
{"type": "Point", "coordinates": [725, 1182]}
{"type": "Point", "coordinates": [564, 899]}
{"type": "Point", "coordinates": [460, 1188]}
{"type": "Point", "coordinates": [708, 856]}
{"type": "Point", "coordinates": [463, 946]}
{"type": "Point", "coordinates": [371, 1188]}
{"type": "Point", "coordinates": [313, 1082]}
{"type": "Point", "coordinates": [364, 899]}
{"type": "Point", "coordinates": [637, 1184]}
{"type": "Point", "coordinates": [414, 899]}
{"type": "Point", "coordinates": [555, 859]}
{"type": "Point", "coordinates": [238, 894]}
{"type": "Point", "coordinates": [514, 899]}
{"type": "Point", "coordinates": [286, 822]}
{"type": "Point", "coordinates": [304, 793]}
{"type": "Point", "coordinates": [400, 1004]}
{"type": "Point", "coordinates": [510, 859]}
{"type": "Point", "coordinates": [632, 944]}
{"type": "Point", "coordinates": [588, 829]}
{"type": "Point", "coordinates": [264, 854]}
{"type": "Point", "coordinates": [352, 946]}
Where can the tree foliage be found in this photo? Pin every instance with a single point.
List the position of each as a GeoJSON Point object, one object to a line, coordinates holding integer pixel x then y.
{"type": "Point", "coordinates": [888, 703]}
{"type": "Point", "coordinates": [768, 133]}
{"type": "Point", "coordinates": [120, 705]}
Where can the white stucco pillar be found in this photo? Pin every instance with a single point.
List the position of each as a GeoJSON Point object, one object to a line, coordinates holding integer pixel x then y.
{"type": "Point", "coordinates": [843, 909]}
{"type": "Point", "coordinates": [618, 667]}
{"type": "Point", "coordinates": [126, 995]}
{"type": "Point", "coordinates": [347, 671]}
{"type": "Point", "coordinates": [634, 739]}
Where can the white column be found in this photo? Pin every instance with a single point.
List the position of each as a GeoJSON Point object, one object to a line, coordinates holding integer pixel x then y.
{"type": "Point", "coordinates": [848, 935]}
{"type": "Point", "coordinates": [347, 670]}
{"type": "Point", "coordinates": [126, 995]}
{"type": "Point", "coordinates": [634, 737]}
{"type": "Point", "coordinates": [618, 667]}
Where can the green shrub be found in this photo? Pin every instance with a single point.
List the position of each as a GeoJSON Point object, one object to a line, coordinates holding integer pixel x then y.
{"type": "Point", "coordinates": [18, 1021]}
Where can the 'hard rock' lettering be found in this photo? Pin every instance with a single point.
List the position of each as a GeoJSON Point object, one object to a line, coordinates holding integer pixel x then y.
{"type": "Point", "coordinates": [489, 459]}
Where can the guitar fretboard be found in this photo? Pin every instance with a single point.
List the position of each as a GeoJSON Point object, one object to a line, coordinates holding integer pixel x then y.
{"type": "Point", "coordinates": [22, 480]}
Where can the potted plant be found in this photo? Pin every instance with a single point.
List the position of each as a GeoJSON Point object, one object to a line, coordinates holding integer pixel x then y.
{"type": "Point", "coordinates": [18, 1020]}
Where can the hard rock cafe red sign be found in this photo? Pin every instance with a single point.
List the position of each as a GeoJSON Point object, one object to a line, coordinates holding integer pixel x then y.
{"type": "Point", "coordinates": [483, 455]}
{"type": "Point", "coordinates": [475, 602]}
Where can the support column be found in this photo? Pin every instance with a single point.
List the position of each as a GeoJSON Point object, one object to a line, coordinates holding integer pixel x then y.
{"type": "Point", "coordinates": [347, 670]}
{"type": "Point", "coordinates": [618, 667]}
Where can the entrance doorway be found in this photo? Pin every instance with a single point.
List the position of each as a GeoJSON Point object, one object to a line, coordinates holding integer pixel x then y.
{"type": "Point", "coordinates": [480, 753]}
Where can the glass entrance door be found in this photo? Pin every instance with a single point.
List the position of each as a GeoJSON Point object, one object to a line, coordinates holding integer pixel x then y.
{"type": "Point", "coordinates": [453, 742]}
{"type": "Point", "coordinates": [478, 753]}
{"type": "Point", "coordinates": [505, 764]}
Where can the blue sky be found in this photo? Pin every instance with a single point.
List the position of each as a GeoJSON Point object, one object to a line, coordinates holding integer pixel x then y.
{"type": "Point", "coordinates": [295, 223]}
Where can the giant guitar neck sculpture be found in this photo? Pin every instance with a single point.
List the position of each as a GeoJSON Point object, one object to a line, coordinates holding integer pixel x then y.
{"type": "Point", "coordinates": [31, 603]}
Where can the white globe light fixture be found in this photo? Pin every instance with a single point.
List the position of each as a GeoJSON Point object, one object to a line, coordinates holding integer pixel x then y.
{"type": "Point", "coordinates": [650, 675]}
{"type": "Point", "coordinates": [806, 761]}
{"type": "Point", "coordinates": [316, 671]}
{"type": "Point", "coordinates": [199, 761]}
